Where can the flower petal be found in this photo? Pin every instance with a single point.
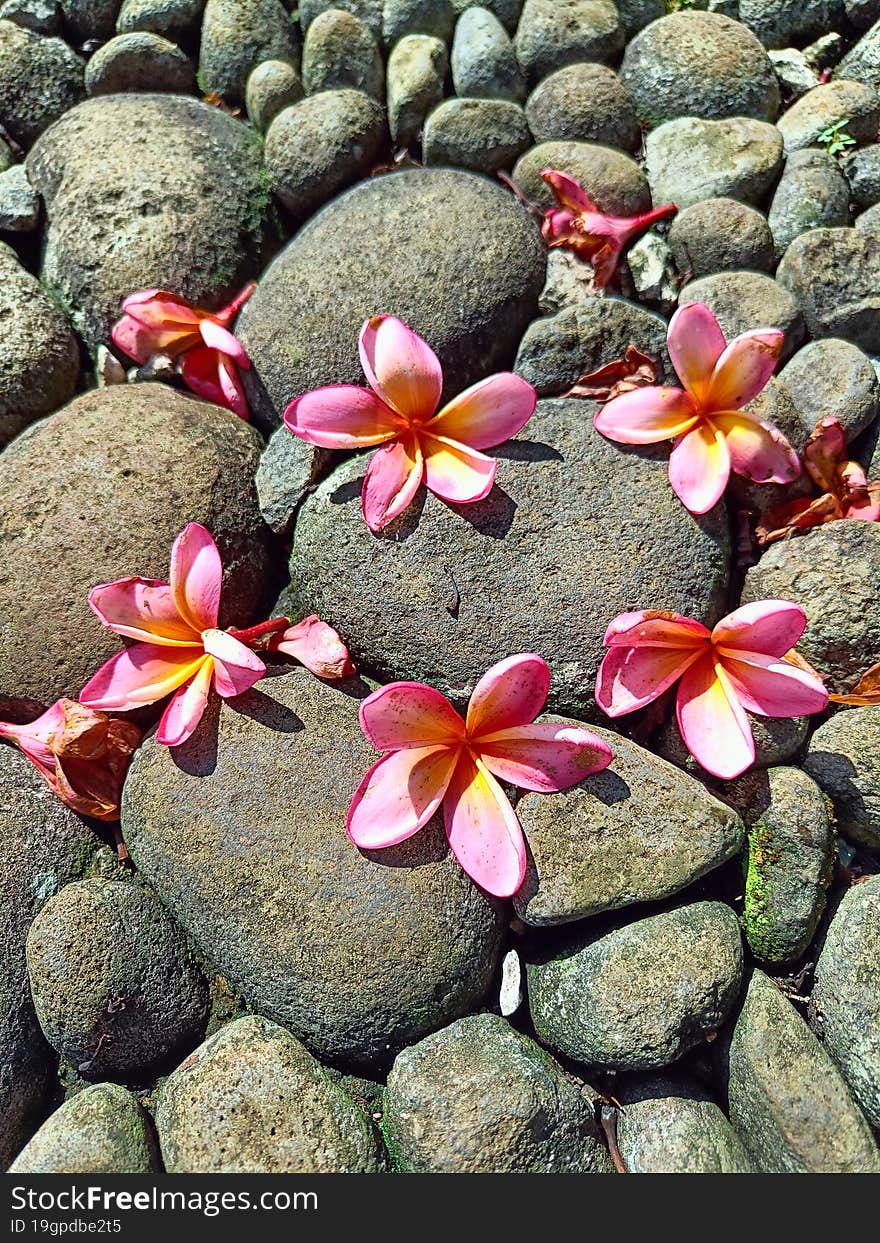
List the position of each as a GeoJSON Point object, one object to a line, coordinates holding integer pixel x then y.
{"type": "Point", "coordinates": [567, 192]}
{"type": "Point", "coordinates": [632, 677]}
{"type": "Point", "coordinates": [712, 721]}
{"type": "Point", "coordinates": [143, 609]}
{"type": "Point", "coordinates": [317, 646]}
{"type": "Point", "coordinates": [771, 686]}
{"type": "Point", "coordinates": [399, 794]}
{"type": "Point", "coordinates": [236, 667]}
{"type": "Point", "coordinates": [547, 756]}
{"type": "Point", "coordinates": [391, 482]}
{"type": "Point", "coordinates": [645, 416]}
{"type": "Point", "coordinates": [156, 308]}
{"type": "Point", "coordinates": [511, 693]}
{"type": "Point", "coordinates": [140, 675]}
{"type": "Point", "coordinates": [342, 416]}
{"type": "Point", "coordinates": [133, 339]}
{"type": "Point", "coordinates": [484, 833]}
{"type": "Point", "coordinates": [744, 368]}
{"type": "Point", "coordinates": [654, 628]}
{"type": "Point", "coordinates": [487, 413]}
{"type": "Point", "coordinates": [695, 343]}
{"type": "Point", "coordinates": [699, 468]}
{"type": "Point", "coordinates": [216, 337]}
{"type": "Point", "coordinates": [773, 627]}
{"type": "Point", "coordinates": [409, 714]}
{"type": "Point", "coordinates": [214, 377]}
{"type": "Point", "coordinates": [400, 367]}
{"type": "Point", "coordinates": [185, 710]}
{"type": "Point", "coordinates": [757, 450]}
{"type": "Point", "coordinates": [196, 577]}
{"type": "Point", "coordinates": [455, 472]}
{"type": "Point", "coordinates": [234, 398]}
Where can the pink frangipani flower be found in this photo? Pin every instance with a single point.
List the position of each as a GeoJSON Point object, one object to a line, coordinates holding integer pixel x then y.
{"type": "Point", "coordinates": [577, 224]}
{"type": "Point", "coordinates": [316, 645]}
{"type": "Point", "coordinates": [155, 322]}
{"type": "Point", "coordinates": [179, 649]}
{"type": "Point", "coordinates": [713, 433]}
{"type": "Point", "coordinates": [434, 757]}
{"type": "Point", "coordinates": [397, 412]}
{"type": "Point", "coordinates": [744, 664]}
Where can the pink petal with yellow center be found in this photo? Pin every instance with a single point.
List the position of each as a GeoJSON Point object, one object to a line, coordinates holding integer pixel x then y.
{"type": "Point", "coordinates": [646, 416]}
{"type": "Point", "coordinates": [695, 343]}
{"type": "Point", "coordinates": [409, 714]}
{"type": "Point", "coordinates": [712, 721]}
{"type": "Point", "coordinates": [399, 794]}
{"type": "Point", "coordinates": [236, 667]}
{"type": "Point", "coordinates": [157, 308]}
{"type": "Point", "coordinates": [196, 577]}
{"type": "Point", "coordinates": [455, 472]}
{"type": "Point", "coordinates": [483, 831]}
{"type": "Point", "coordinates": [342, 416]}
{"type": "Point", "coordinates": [487, 413]}
{"type": "Point", "coordinates": [546, 757]}
{"type": "Point", "coordinates": [216, 337]}
{"type": "Point", "coordinates": [771, 686]}
{"type": "Point", "coordinates": [185, 710]}
{"type": "Point", "coordinates": [557, 227]}
{"type": "Point", "coordinates": [317, 646]}
{"type": "Point", "coordinates": [391, 482]}
{"type": "Point", "coordinates": [568, 194]}
{"type": "Point", "coordinates": [509, 694]}
{"type": "Point", "coordinates": [757, 450]}
{"type": "Point", "coordinates": [143, 609]}
{"type": "Point", "coordinates": [400, 367]}
{"type": "Point", "coordinates": [699, 468]}
{"type": "Point", "coordinates": [744, 368]}
{"type": "Point", "coordinates": [654, 628]}
{"type": "Point", "coordinates": [140, 675]}
{"type": "Point", "coordinates": [632, 677]}
{"type": "Point", "coordinates": [773, 627]}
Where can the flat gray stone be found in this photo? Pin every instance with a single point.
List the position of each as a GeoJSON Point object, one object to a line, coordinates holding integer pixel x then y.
{"type": "Point", "coordinates": [812, 194]}
{"type": "Point", "coordinates": [862, 171]}
{"type": "Point", "coordinates": [862, 61]}
{"type": "Point", "coordinates": [843, 760]}
{"type": "Point", "coordinates": [672, 1126]}
{"type": "Point", "coordinates": [721, 235]}
{"type": "Point", "coordinates": [101, 1130]}
{"type": "Point", "coordinates": [835, 276]}
{"type": "Point", "coordinates": [826, 105]}
{"type": "Point", "coordinates": [690, 159]}
{"type": "Point", "coordinates": [19, 204]}
{"type": "Point", "coordinates": [289, 468]}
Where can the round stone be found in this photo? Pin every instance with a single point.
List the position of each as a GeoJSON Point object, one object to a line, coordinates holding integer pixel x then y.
{"type": "Point", "coordinates": [833, 379]}
{"type": "Point", "coordinates": [483, 62]}
{"type": "Point", "coordinates": [40, 79]}
{"type": "Point", "coordinates": [742, 301]}
{"type": "Point", "coordinates": [469, 585]}
{"type": "Point", "coordinates": [617, 185]}
{"type": "Point", "coordinates": [553, 33]}
{"type": "Point", "coordinates": [175, 19]}
{"type": "Point", "coordinates": [272, 86]}
{"type": "Point", "coordinates": [835, 276]}
{"type": "Point", "coordinates": [507, 11]}
{"type": "Point", "coordinates": [396, 244]}
{"type": "Point", "coordinates": [415, 76]}
{"type": "Point", "coordinates": [843, 759]}
{"type": "Point", "coordinates": [112, 498]}
{"type": "Point", "coordinates": [672, 1126]}
{"type": "Point", "coordinates": [236, 35]}
{"type": "Point", "coordinates": [89, 19]}
{"type": "Point", "coordinates": [484, 135]}
{"type": "Point", "coordinates": [583, 103]}
{"type": "Point", "coordinates": [242, 833]}
{"type": "Point", "coordinates": [407, 17]}
{"type": "Point", "coordinates": [721, 235]}
{"type": "Point", "coordinates": [781, 23]}
{"type": "Point", "coordinates": [101, 1130]}
{"type": "Point", "coordinates": [139, 62]}
{"type": "Point", "coordinates": [812, 194]}
{"type": "Point", "coordinates": [339, 51]}
{"type": "Point", "coordinates": [692, 159]}
{"type": "Point", "coordinates": [699, 65]}
{"type": "Point", "coordinates": [826, 105]}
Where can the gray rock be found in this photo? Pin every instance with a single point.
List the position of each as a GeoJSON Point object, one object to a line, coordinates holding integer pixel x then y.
{"type": "Point", "coordinates": [175, 19]}
{"type": "Point", "coordinates": [252, 1100]}
{"type": "Point", "coordinates": [483, 135]}
{"type": "Point", "coordinates": [742, 301]}
{"type": "Point", "coordinates": [143, 192]}
{"type": "Point", "coordinates": [557, 350]}
{"type": "Point", "coordinates": [584, 103]}
{"type": "Point", "coordinates": [40, 78]}
{"type": "Point", "coordinates": [652, 271]}
{"type": "Point", "coordinates": [788, 1101]}
{"type": "Point", "coordinates": [289, 468]}
{"type": "Point", "coordinates": [416, 73]}
{"type": "Point", "coordinates": [779, 23]}
{"type": "Point", "coordinates": [101, 1130]}
{"type": "Point", "coordinates": [690, 159]}
{"type": "Point", "coordinates": [671, 1126]}
{"type": "Point", "coordinates": [479, 1098]}
{"type": "Point", "coordinates": [790, 860]}
{"type": "Point", "coordinates": [812, 194]}
{"type": "Point", "coordinates": [242, 833]}
{"type": "Point", "coordinates": [643, 994]}
{"type": "Point", "coordinates": [339, 51]}
{"type": "Point", "coordinates": [317, 147]}
{"type": "Point", "coordinates": [614, 181]}
{"type": "Point", "coordinates": [395, 244]}
{"type": "Point", "coordinates": [19, 205]}
{"type": "Point", "coordinates": [39, 355]}
{"type": "Point", "coordinates": [777, 739]}
{"type": "Point", "coordinates": [43, 17]}
{"type": "Point", "coordinates": [862, 12]}
{"type": "Point", "coordinates": [105, 467]}
{"type": "Point", "coordinates": [637, 832]}
{"type": "Point", "coordinates": [523, 561]}
{"type": "Point", "coordinates": [114, 989]}
{"type": "Point", "coordinates": [272, 86]}
{"type": "Point", "coordinates": [868, 223]}
{"type": "Point", "coordinates": [507, 11]}
{"type": "Point", "coordinates": [845, 999]}
{"type": "Point", "coordinates": [637, 14]}
{"type": "Point", "coordinates": [417, 17]}
{"type": "Point", "coordinates": [139, 61]}
{"type": "Point", "coordinates": [824, 106]}
{"type": "Point", "coordinates": [862, 62]}
{"type": "Point", "coordinates": [368, 11]}
{"type": "Point", "coordinates": [795, 74]}
{"type": "Point", "coordinates": [833, 379]}
{"type": "Point", "coordinates": [90, 19]}
{"type": "Point", "coordinates": [484, 64]}
{"type": "Point", "coordinates": [833, 573]}
{"type": "Point", "coordinates": [843, 759]}
{"type": "Point", "coordinates": [236, 36]}
{"type": "Point", "coordinates": [699, 65]}
{"type": "Point", "coordinates": [721, 235]}
{"type": "Point", "coordinates": [862, 171]}
{"type": "Point", "coordinates": [835, 276]}
{"type": "Point", "coordinates": [43, 845]}
{"type": "Point", "coordinates": [825, 52]}
{"type": "Point", "coordinates": [569, 283]}
{"type": "Point", "coordinates": [553, 33]}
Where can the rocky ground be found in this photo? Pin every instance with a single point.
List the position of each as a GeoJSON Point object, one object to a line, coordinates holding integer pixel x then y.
{"type": "Point", "coordinates": [691, 965]}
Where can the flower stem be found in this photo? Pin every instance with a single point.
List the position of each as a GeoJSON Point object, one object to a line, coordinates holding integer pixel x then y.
{"type": "Point", "coordinates": [260, 631]}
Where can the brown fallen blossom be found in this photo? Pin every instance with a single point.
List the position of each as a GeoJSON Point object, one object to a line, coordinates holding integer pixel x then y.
{"type": "Point", "coordinates": [634, 370]}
